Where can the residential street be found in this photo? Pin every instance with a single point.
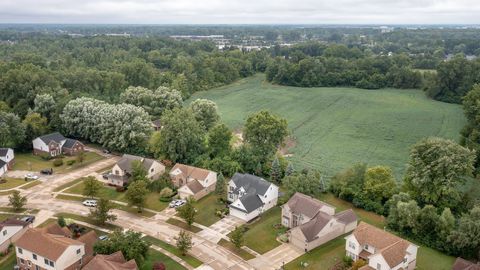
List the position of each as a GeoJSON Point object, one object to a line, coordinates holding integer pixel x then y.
{"type": "Point", "coordinates": [42, 197]}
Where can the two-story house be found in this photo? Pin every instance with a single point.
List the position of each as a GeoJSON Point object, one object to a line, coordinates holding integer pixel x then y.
{"type": "Point", "coordinates": [250, 195]}
{"type": "Point", "coordinates": [313, 222]}
{"type": "Point", "coordinates": [37, 249]}
{"type": "Point", "coordinates": [382, 250]}
{"type": "Point", "coordinates": [192, 181]}
{"type": "Point", "coordinates": [10, 230]}
{"type": "Point", "coordinates": [122, 170]}
{"type": "Point", "coordinates": [7, 158]}
{"type": "Point", "coordinates": [55, 144]}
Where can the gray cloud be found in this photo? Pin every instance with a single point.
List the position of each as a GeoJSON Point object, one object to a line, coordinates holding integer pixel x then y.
{"type": "Point", "coordinates": [241, 11]}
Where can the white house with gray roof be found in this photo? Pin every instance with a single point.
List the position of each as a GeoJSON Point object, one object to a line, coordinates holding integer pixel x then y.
{"type": "Point", "coordinates": [123, 169]}
{"type": "Point", "coordinates": [6, 160]}
{"type": "Point", "coordinates": [250, 196]}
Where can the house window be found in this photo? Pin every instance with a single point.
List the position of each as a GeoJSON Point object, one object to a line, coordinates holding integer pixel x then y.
{"type": "Point", "coordinates": [116, 172]}
{"type": "Point", "coordinates": [46, 261]}
{"type": "Point", "coordinates": [29, 263]}
{"type": "Point", "coordinates": [4, 232]}
{"type": "Point", "coordinates": [379, 266]}
{"type": "Point", "coordinates": [366, 246]}
{"type": "Point", "coordinates": [351, 245]}
{"type": "Point", "coordinates": [78, 251]}
{"type": "Point", "coordinates": [22, 261]}
{"type": "Point", "coordinates": [231, 189]}
{"type": "Point", "coordinates": [34, 256]}
{"type": "Point", "coordinates": [20, 250]}
{"type": "Point", "coordinates": [36, 267]}
{"type": "Point", "coordinates": [151, 170]}
{"type": "Point", "coordinates": [52, 264]}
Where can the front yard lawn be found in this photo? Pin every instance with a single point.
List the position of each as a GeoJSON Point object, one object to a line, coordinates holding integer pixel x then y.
{"type": "Point", "coordinates": [321, 258]}
{"type": "Point", "coordinates": [183, 225]}
{"type": "Point", "coordinates": [12, 183]}
{"type": "Point", "coordinates": [86, 219]}
{"type": "Point", "coordinates": [238, 251]}
{"type": "Point", "coordinates": [151, 202]}
{"type": "Point", "coordinates": [262, 234]}
{"type": "Point", "coordinates": [31, 184]}
{"type": "Point", "coordinates": [172, 249]}
{"type": "Point", "coordinates": [154, 256]}
{"type": "Point", "coordinates": [207, 206]}
{"type": "Point", "coordinates": [8, 262]}
{"type": "Point", "coordinates": [30, 162]}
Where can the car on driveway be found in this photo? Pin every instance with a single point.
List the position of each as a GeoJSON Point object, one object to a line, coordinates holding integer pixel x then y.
{"type": "Point", "coordinates": [29, 219]}
{"type": "Point", "coordinates": [31, 176]}
{"type": "Point", "coordinates": [103, 237]}
{"type": "Point", "coordinates": [90, 203]}
{"type": "Point", "coordinates": [176, 203]}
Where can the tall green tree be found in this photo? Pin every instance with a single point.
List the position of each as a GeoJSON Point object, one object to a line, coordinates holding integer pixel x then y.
{"type": "Point", "coordinates": [44, 105]}
{"type": "Point", "coordinates": [465, 239]}
{"type": "Point", "coordinates": [205, 112]}
{"type": "Point", "coordinates": [276, 171]}
{"type": "Point", "coordinates": [101, 213]}
{"type": "Point", "coordinates": [91, 186]}
{"type": "Point", "coordinates": [236, 237]}
{"type": "Point", "coordinates": [436, 170]}
{"type": "Point", "coordinates": [182, 138]}
{"type": "Point", "coordinates": [17, 201]}
{"type": "Point", "coordinates": [12, 132]}
{"type": "Point", "coordinates": [139, 173]}
{"type": "Point", "coordinates": [184, 242]}
{"type": "Point", "coordinates": [188, 212]}
{"type": "Point", "coordinates": [220, 185]}
{"type": "Point", "coordinates": [219, 138]}
{"type": "Point", "coordinates": [130, 243]}
{"type": "Point", "coordinates": [380, 184]}
{"type": "Point", "coordinates": [35, 125]}
{"type": "Point", "coordinates": [155, 102]}
{"type": "Point", "coordinates": [265, 132]}
{"type": "Point", "coordinates": [136, 194]}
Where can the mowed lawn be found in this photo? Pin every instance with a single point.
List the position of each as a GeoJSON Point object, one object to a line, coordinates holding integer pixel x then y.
{"type": "Point", "coordinates": [30, 162]}
{"type": "Point", "coordinates": [207, 206]}
{"type": "Point", "coordinates": [151, 202]}
{"type": "Point", "coordinates": [337, 127]}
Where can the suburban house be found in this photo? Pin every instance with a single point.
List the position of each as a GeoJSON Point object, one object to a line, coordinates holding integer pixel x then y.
{"type": "Point", "coordinates": [122, 171]}
{"type": "Point", "coordinates": [250, 196]}
{"type": "Point", "coordinates": [462, 264]}
{"type": "Point", "coordinates": [114, 261]}
{"type": "Point", "coordinates": [38, 249]}
{"type": "Point", "coordinates": [313, 223]}
{"type": "Point", "coordinates": [382, 250]}
{"type": "Point", "coordinates": [192, 181]}
{"type": "Point", "coordinates": [6, 160]}
{"type": "Point", "coordinates": [55, 144]}
{"type": "Point", "coordinates": [10, 230]}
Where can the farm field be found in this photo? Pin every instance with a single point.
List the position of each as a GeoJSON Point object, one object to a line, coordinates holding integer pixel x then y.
{"type": "Point", "coordinates": [334, 128]}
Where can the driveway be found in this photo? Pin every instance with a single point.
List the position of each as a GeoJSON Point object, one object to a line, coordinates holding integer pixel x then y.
{"type": "Point", "coordinates": [275, 258]}
{"type": "Point", "coordinates": [220, 229]}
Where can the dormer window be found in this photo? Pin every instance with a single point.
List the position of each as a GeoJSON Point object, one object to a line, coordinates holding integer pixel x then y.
{"type": "Point", "coordinates": [366, 246]}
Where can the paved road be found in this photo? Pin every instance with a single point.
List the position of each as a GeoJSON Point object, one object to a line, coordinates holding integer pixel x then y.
{"type": "Point", "coordinates": [42, 197]}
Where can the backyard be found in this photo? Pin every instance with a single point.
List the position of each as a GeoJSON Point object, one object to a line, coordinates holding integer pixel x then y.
{"type": "Point", "coordinates": [30, 162]}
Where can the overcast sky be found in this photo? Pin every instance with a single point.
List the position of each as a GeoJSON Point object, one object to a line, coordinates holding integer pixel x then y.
{"type": "Point", "coordinates": [241, 11]}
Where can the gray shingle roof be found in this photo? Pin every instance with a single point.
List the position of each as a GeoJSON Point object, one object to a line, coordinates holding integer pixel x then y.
{"type": "Point", "coordinates": [125, 163]}
{"type": "Point", "coordinates": [251, 202]}
{"type": "Point", "coordinates": [303, 204]}
{"type": "Point", "coordinates": [251, 184]}
{"type": "Point", "coordinates": [56, 137]}
{"type": "Point", "coordinates": [315, 225]}
{"type": "Point", "coordinates": [346, 217]}
{"type": "Point", "coordinates": [3, 151]}
{"type": "Point", "coordinates": [69, 143]}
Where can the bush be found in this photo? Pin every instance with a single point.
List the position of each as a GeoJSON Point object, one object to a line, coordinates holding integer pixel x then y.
{"type": "Point", "coordinates": [58, 162]}
{"type": "Point", "coordinates": [166, 193]}
{"type": "Point", "coordinates": [70, 162]}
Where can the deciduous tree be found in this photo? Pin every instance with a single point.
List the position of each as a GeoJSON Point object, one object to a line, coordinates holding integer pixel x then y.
{"type": "Point", "coordinates": [17, 201]}
{"type": "Point", "coordinates": [136, 194]}
{"type": "Point", "coordinates": [188, 211]}
{"type": "Point", "coordinates": [205, 112]}
{"type": "Point", "coordinates": [101, 213]}
{"type": "Point", "coordinates": [184, 242]}
{"type": "Point", "coordinates": [91, 186]}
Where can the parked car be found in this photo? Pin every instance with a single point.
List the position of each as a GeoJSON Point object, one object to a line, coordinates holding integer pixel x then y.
{"type": "Point", "coordinates": [31, 176]}
{"type": "Point", "coordinates": [105, 175]}
{"type": "Point", "coordinates": [47, 171]}
{"type": "Point", "coordinates": [29, 219]}
{"type": "Point", "coordinates": [90, 203]}
{"type": "Point", "coordinates": [106, 151]}
{"type": "Point", "coordinates": [176, 203]}
{"type": "Point", "coordinates": [103, 237]}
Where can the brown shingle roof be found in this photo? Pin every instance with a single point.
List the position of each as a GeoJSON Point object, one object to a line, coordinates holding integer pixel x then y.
{"type": "Point", "coordinates": [89, 240]}
{"type": "Point", "coordinates": [462, 264]}
{"type": "Point", "coordinates": [114, 261]}
{"type": "Point", "coordinates": [303, 204]}
{"type": "Point", "coordinates": [346, 217]}
{"type": "Point", "coordinates": [190, 171]}
{"type": "Point", "coordinates": [47, 245]}
{"type": "Point", "coordinates": [311, 229]}
{"type": "Point", "coordinates": [54, 228]}
{"type": "Point", "coordinates": [392, 248]}
{"type": "Point", "coordinates": [195, 186]}
{"type": "Point", "coordinates": [12, 222]}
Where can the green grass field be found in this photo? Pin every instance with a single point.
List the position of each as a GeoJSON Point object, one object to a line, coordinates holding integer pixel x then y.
{"type": "Point", "coordinates": [336, 127]}
{"type": "Point", "coordinates": [30, 162]}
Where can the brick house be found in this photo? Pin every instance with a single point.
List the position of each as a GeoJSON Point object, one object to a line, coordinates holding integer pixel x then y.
{"type": "Point", "coordinates": [55, 144]}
